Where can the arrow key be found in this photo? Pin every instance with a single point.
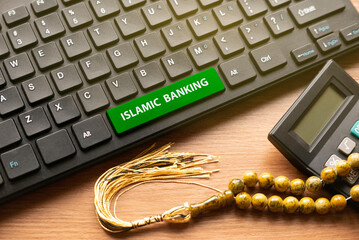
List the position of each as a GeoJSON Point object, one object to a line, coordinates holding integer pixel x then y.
{"type": "Point", "coordinates": [347, 146]}
{"type": "Point", "coordinates": [229, 43]}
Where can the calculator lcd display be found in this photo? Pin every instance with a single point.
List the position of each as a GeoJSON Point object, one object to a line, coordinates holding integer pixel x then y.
{"type": "Point", "coordinates": [318, 115]}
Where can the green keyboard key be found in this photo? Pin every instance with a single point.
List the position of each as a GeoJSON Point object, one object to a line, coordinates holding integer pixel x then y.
{"type": "Point", "coordinates": [165, 100]}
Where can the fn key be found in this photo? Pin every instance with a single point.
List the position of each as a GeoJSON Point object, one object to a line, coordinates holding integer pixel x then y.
{"type": "Point", "coordinates": [91, 132]}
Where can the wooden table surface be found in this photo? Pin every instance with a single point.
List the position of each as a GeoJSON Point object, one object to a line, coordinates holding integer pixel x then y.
{"type": "Point", "coordinates": [238, 134]}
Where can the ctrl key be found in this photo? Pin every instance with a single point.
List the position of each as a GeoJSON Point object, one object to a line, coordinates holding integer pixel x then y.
{"type": "Point", "coordinates": [19, 161]}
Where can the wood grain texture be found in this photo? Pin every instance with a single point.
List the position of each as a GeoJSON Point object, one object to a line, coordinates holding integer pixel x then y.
{"type": "Point", "coordinates": [238, 134]}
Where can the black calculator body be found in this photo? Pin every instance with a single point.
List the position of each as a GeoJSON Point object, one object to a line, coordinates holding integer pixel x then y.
{"type": "Point", "coordinates": [322, 126]}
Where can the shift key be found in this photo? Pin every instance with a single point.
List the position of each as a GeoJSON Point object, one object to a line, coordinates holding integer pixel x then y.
{"type": "Point", "coordinates": [165, 100]}
{"type": "Point", "coordinates": [308, 11]}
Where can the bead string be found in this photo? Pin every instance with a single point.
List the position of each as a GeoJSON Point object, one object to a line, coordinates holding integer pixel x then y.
{"type": "Point", "coordinates": [290, 204]}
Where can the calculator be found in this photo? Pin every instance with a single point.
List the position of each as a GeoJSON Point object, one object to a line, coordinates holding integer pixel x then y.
{"type": "Point", "coordinates": [322, 126]}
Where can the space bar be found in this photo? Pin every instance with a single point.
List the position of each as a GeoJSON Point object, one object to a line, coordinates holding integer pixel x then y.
{"type": "Point", "coordinates": [165, 100]}
{"type": "Point", "coordinates": [311, 10]}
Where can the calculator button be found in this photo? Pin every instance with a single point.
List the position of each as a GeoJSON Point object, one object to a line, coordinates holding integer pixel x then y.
{"type": "Point", "coordinates": [353, 175]}
{"type": "Point", "coordinates": [347, 146]}
{"type": "Point", "coordinates": [355, 129]}
{"type": "Point", "coordinates": [332, 161]}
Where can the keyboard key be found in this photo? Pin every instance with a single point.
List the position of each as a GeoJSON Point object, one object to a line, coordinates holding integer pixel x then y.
{"type": "Point", "coordinates": [104, 8]}
{"type": "Point", "coordinates": [56, 146]}
{"type": "Point", "coordinates": [320, 29]}
{"type": "Point", "coordinates": [122, 56]}
{"type": "Point", "coordinates": [329, 43]}
{"type": "Point", "coordinates": [16, 16]}
{"type": "Point", "coordinates": [149, 46]}
{"type": "Point", "coordinates": [10, 101]}
{"type": "Point", "coordinates": [69, 2]}
{"type": "Point", "coordinates": [4, 50]}
{"type": "Point", "coordinates": [253, 8]}
{"type": "Point", "coordinates": [47, 56]}
{"type": "Point", "coordinates": [305, 53]}
{"type": "Point", "coordinates": [229, 43]}
{"type": "Point", "coordinates": [37, 89]}
{"type": "Point", "coordinates": [41, 7]}
{"type": "Point", "coordinates": [347, 146]}
{"type": "Point", "coordinates": [202, 25]}
{"type": "Point", "coordinates": [268, 57]}
{"type": "Point", "coordinates": [94, 67]}
{"type": "Point", "coordinates": [165, 100]}
{"type": "Point", "coordinates": [209, 3]}
{"type": "Point", "coordinates": [75, 45]}
{"type": "Point", "coordinates": [22, 37]}
{"type": "Point", "coordinates": [19, 161]}
{"type": "Point", "coordinates": [128, 4]}
{"type": "Point", "coordinates": [238, 71]}
{"type": "Point", "coordinates": [66, 78]}
{"type": "Point", "coordinates": [18, 67]}
{"type": "Point", "coordinates": [77, 16]}
{"type": "Point", "coordinates": [2, 79]}
{"type": "Point", "coordinates": [49, 26]}
{"type": "Point", "coordinates": [350, 33]}
{"type": "Point", "coordinates": [9, 134]}
{"type": "Point", "coordinates": [121, 87]}
{"type": "Point", "coordinates": [64, 110]}
{"type": "Point", "coordinates": [176, 65]}
{"type": "Point", "coordinates": [34, 122]}
{"type": "Point", "coordinates": [182, 8]}
{"type": "Point", "coordinates": [102, 34]}
{"type": "Point", "coordinates": [149, 75]}
{"type": "Point", "coordinates": [311, 10]}
{"type": "Point", "coordinates": [203, 54]}
{"type": "Point", "coordinates": [279, 23]}
{"type": "Point", "coordinates": [228, 14]}
{"type": "Point", "coordinates": [176, 35]}
{"type": "Point", "coordinates": [91, 132]}
{"type": "Point", "coordinates": [93, 98]}
{"type": "Point", "coordinates": [278, 3]}
{"type": "Point", "coordinates": [255, 33]}
{"type": "Point", "coordinates": [156, 14]}
{"type": "Point", "coordinates": [130, 24]}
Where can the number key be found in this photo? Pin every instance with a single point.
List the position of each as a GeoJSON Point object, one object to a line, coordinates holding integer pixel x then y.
{"type": "Point", "coordinates": [22, 37]}
{"type": "Point", "coordinates": [49, 26]}
{"type": "Point", "coordinates": [77, 16]}
{"type": "Point", "coordinates": [104, 8]}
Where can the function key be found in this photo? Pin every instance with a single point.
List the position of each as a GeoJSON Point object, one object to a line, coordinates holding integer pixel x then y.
{"type": "Point", "coordinates": [19, 161]}
{"type": "Point", "coordinates": [176, 35]}
{"type": "Point", "coordinates": [209, 3]}
{"type": "Point", "coordinates": [56, 146]}
{"type": "Point", "coordinates": [104, 8]}
{"type": "Point", "coordinates": [22, 37]}
{"type": "Point", "coordinates": [347, 146]}
{"type": "Point", "coordinates": [77, 16]}
{"type": "Point", "coordinates": [18, 67]}
{"type": "Point", "coordinates": [91, 132]}
{"type": "Point", "coordinates": [307, 11]}
{"type": "Point", "coordinates": [49, 26]}
{"type": "Point", "coordinates": [203, 25]}
{"type": "Point", "coordinates": [156, 14]}
{"type": "Point", "coordinates": [42, 7]}
{"type": "Point", "coordinates": [320, 29]}
{"type": "Point", "coordinates": [9, 134]}
{"type": "Point", "coordinates": [182, 8]}
{"type": "Point", "coordinates": [278, 3]}
{"type": "Point", "coordinates": [34, 122]}
{"type": "Point", "coordinates": [329, 43]}
{"type": "Point", "coordinates": [350, 33]}
{"type": "Point", "coordinates": [279, 23]}
{"type": "Point", "coordinates": [37, 89]}
{"type": "Point", "coordinates": [228, 14]}
{"type": "Point", "coordinates": [130, 24]}
{"type": "Point", "coordinates": [253, 8]}
{"type": "Point", "coordinates": [16, 16]}
{"type": "Point", "coordinates": [64, 110]}
{"type": "Point", "coordinates": [304, 53]}
{"type": "Point", "coordinates": [128, 4]}
{"type": "Point", "coordinates": [10, 101]}
{"type": "Point", "coordinates": [268, 57]}
{"type": "Point", "coordinates": [238, 70]}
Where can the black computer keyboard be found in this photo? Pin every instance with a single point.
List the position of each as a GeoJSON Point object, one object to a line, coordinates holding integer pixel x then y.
{"type": "Point", "coordinates": [83, 80]}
